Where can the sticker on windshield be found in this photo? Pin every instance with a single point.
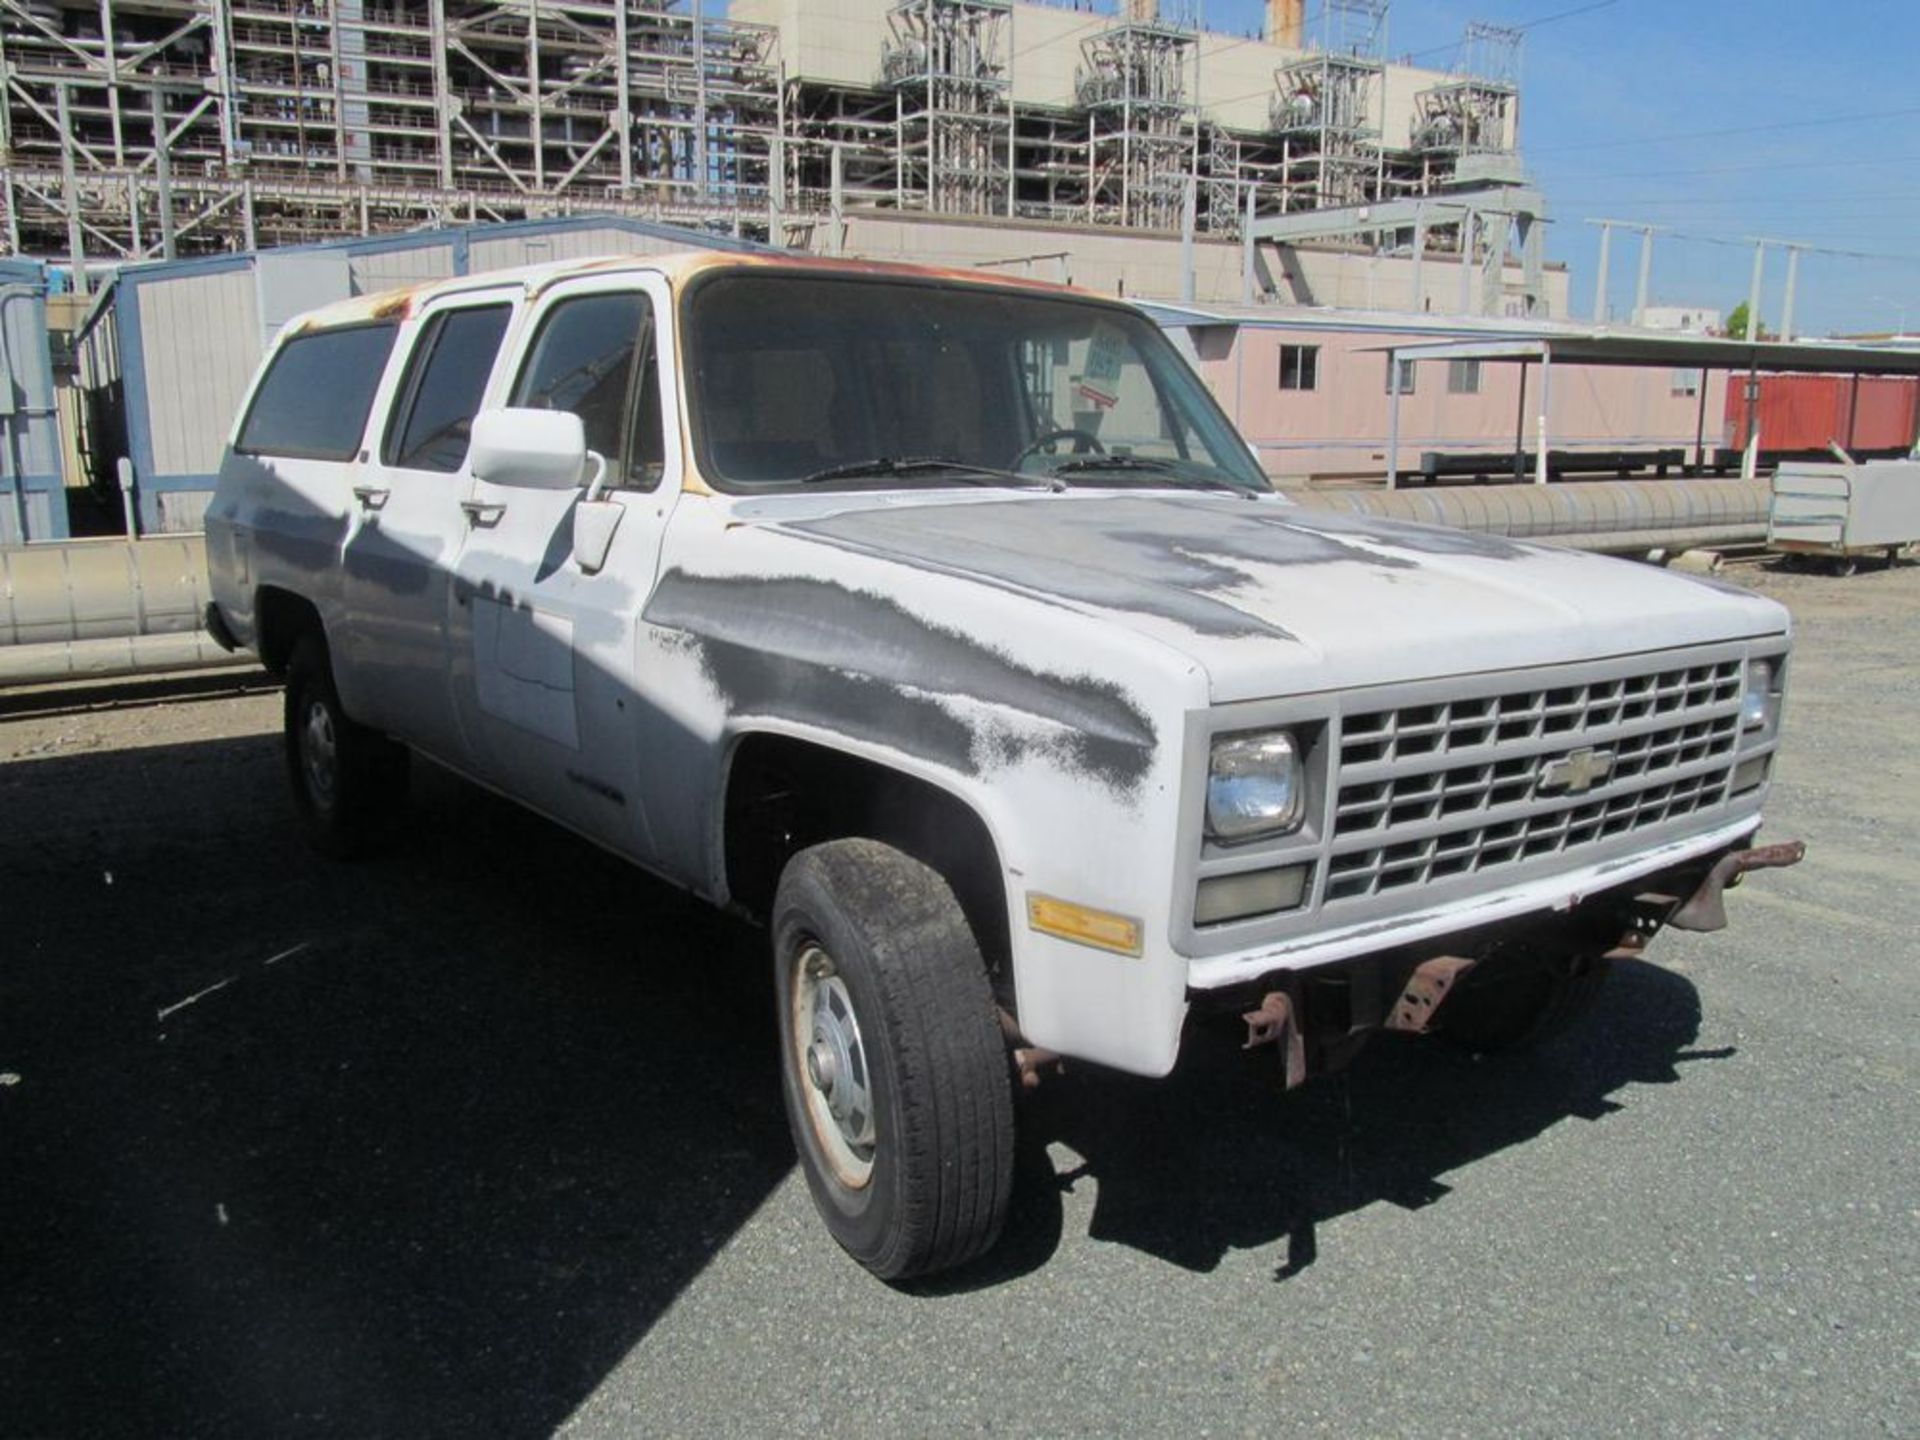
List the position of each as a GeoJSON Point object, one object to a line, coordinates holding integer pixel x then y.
{"type": "Point", "coordinates": [1099, 383]}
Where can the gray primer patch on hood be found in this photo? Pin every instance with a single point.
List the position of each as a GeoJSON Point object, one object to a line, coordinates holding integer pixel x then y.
{"type": "Point", "coordinates": [859, 664]}
{"type": "Point", "coordinates": [1175, 558]}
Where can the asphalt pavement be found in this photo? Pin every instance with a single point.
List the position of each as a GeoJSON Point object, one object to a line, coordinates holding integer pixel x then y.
{"type": "Point", "coordinates": [483, 1138]}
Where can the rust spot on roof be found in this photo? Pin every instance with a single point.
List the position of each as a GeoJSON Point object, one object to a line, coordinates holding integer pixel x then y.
{"type": "Point", "coordinates": [393, 304]}
{"type": "Point", "coordinates": [676, 266]}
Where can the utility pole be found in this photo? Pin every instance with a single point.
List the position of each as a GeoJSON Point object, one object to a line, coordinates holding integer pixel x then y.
{"type": "Point", "coordinates": [1640, 292]}
{"type": "Point", "coordinates": [1753, 290]}
{"type": "Point", "coordinates": [1646, 275]}
{"type": "Point", "coordinates": [1600, 280]}
{"type": "Point", "coordinates": [1793, 281]}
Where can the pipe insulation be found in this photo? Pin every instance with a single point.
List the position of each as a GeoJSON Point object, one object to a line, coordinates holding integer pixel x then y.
{"type": "Point", "coordinates": [1624, 516]}
{"type": "Point", "coordinates": [99, 608]}
{"type": "Point", "coordinates": [77, 590]}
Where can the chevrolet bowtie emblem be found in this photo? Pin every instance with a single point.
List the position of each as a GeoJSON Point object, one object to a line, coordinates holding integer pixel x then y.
{"type": "Point", "coordinates": [1577, 773]}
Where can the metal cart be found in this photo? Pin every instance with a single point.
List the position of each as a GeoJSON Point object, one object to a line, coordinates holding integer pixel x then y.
{"type": "Point", "coordinates": [1841, 513]}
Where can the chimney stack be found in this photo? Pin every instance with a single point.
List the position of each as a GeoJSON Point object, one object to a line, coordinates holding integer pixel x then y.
{"type": "Point", "coordinates": [1286, 23]}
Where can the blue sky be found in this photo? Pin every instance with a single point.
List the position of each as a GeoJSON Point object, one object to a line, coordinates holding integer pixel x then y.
{"type": "Point", "coordinates": [1603, 91]}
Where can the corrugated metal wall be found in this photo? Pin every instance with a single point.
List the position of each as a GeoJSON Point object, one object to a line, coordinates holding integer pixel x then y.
{"type": "Point", "coordinates": [203, 325]}
{"type": "Point", "coordinates": [199, 344]}
{"type": "Point", "coordinates": [1806, 412]}
{"type": "Point", "coordinates": [378, 270]}
{"type": "Point", "coordinates": [29, 423]}
{"type": "Point", "coordinates": [583, 244]}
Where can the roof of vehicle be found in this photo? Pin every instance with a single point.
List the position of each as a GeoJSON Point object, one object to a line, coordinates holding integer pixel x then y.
{"type": "Point", "coordinates": [677, 266]}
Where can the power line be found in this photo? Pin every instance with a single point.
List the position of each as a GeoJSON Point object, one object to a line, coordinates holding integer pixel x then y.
{"type": "Point", "coordinates": [1818, 206]}
{"type": "Point", "coordinates": [1768, 167]}
{"type": "Point", "coordinates": [1586, 9]}
{"type": "Point", "coordinates": [1747, 242]}
{"type": "Point", "coordinates": [1732, 130]}
{"type": "Point", "coordinates": [1453, 45]}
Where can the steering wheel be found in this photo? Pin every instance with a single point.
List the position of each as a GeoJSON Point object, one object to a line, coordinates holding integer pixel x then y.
{"type": "Point", "coordinates": [1084, 442]}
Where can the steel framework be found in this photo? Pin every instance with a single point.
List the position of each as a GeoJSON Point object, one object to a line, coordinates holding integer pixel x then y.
{"type": "Point", "coordinates": [946, 61]}
{"type": "Point", "coordinates": [142, 128]}
{"type": "Point", "coordinates": [133, 128]}
{"type": "Point", "coordinates": [1476, 111]}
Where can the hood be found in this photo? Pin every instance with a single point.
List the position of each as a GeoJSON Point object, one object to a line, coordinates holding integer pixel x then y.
{"type": "Point", "coordinates": [1270, 599]}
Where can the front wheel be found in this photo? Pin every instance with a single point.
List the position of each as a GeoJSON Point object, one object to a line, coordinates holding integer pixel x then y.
{"type": "Point", "coordinates": [893, 1064]}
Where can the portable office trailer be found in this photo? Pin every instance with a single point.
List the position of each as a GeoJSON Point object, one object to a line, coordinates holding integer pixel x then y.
{"type": "Point", "coordinates": [189, 334]}
{"type": "Point", "coordinates": [32, 505]}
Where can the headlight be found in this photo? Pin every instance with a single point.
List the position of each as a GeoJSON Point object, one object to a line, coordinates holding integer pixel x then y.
{"type": "Point", "coordinates": [1254, 786]}
{"type": "Point", "coordinates": [1756, 705]}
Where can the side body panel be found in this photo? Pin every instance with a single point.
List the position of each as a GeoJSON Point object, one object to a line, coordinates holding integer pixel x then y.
{"type": "Point", "coordinates": [405, 530]}
{"type": "Point", "coordinates": [1012, 708]}
{"type": "Point", "coordinates": [541, 653]}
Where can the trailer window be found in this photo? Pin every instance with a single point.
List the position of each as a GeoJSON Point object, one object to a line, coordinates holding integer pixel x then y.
{"type": "Point", "coordinates": [1299, 367]}
{"type": "Point", "coordinates": [313, 402]}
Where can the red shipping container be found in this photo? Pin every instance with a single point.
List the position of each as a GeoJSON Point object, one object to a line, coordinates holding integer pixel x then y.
{"type": "Point", "coordinates": [1808, 412]}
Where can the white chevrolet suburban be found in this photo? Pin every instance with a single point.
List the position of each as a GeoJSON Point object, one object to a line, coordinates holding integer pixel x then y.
{"type": "Point", "coordinates": [945, 623]}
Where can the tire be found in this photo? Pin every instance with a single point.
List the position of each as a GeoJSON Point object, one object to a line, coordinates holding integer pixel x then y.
{"type": "Point", "coordinates": [879, 978]}
{"type": "Point", "coordinates": [1515, 999]}
{"type": "Point", "coordinates": [348, 781]}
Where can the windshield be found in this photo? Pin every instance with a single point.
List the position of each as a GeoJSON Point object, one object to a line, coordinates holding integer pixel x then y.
{"type": "Point", "coordinates": [807, 379]}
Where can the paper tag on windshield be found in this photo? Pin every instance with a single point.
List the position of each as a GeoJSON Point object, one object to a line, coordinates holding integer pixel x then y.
{"type": "Point", "coordinates": [1099, 382]}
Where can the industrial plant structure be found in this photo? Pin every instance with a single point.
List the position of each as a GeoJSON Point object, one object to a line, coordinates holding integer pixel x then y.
{"type": "Point", "coordinates": [139, 129]}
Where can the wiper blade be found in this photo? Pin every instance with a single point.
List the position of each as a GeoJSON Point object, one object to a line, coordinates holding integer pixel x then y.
{"type": "Point", "coordinates": [1165, 469]}
{"type": "Point", "coordinates": [1108, 462]}
{"type": "Point", "coordinates": [916, 465]}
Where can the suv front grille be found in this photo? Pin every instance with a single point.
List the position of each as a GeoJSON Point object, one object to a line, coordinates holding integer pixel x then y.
{"type": "Point", "coordinates": [1464, 784]}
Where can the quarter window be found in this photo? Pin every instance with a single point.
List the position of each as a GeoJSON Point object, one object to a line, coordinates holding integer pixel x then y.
{"type": "Point", "coordinates": [594, 356]}
{"type": "Point", "coordinates": [1299, 367]}
{"type": "Point", "coordinates": [312, 403]}
{"type": "Point", "coordinates": [445, 381]}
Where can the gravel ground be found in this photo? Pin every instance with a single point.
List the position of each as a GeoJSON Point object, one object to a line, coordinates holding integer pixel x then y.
{"type": "Point", "coordinates": [483, 1138]}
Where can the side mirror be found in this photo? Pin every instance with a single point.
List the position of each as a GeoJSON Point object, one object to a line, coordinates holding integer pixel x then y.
{"type": "Point", "coordinates": [529, 449]}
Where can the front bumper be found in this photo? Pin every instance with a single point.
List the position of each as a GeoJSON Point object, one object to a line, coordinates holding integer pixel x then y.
{"type": "Point", "coordinates": [1547, 894]}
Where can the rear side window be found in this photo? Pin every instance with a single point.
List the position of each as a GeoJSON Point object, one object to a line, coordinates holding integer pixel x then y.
{"type": "Point", "coordinates": [445, 380]}
{"type": "Point", "coordinates": [313, 403]}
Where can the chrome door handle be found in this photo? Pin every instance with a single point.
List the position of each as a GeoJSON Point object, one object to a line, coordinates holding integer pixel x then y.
{"type": "Point", "coordinates": [482, 513]}
{"type": "Point", "coordinates": [371, 497]}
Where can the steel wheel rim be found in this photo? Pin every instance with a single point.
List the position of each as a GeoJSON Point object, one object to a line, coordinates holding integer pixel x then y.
{"type": "Point", "coordinates": [319, 754]}
{"type": "Point", "coordinates": [834, 1077]}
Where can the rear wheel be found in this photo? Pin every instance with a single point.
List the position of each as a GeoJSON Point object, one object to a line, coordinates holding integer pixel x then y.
{"type": "Point", "coordinates": [1519, 997]}
{"type": "Point", "coordinates": [348, 781]}
{"type": "Point", "coordinates": [893, 1064]}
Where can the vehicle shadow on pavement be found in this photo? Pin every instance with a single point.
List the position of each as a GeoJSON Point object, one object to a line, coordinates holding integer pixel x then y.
{"type": "Point", "coordinates": [1217, 1158]}
{"type": "Point", "coordinates": [426, 1144]}
{"type": "Point", "coordinates": [416, 1146]}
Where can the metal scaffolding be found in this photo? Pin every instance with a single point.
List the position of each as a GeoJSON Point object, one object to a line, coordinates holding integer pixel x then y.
{"type": "Point", "coordinates": [141, 128]}
{"type": "Point", "coordinates": [135, 128]}
{"type": "Point", "coordinates": [946, 62]}
{"type": "Point", "coordinates": [1477, 109]}
{"type": "Point", "coordinates": [1327, 109]}
{"type": "Point", "coordinates": [1140, 124]}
